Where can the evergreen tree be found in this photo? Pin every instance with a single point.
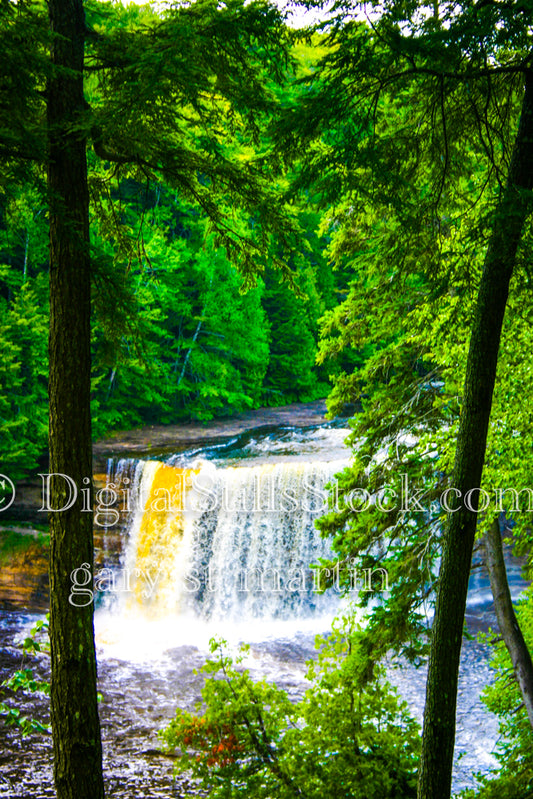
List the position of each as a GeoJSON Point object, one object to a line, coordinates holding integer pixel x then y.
{"type": "Point", "coordinates": [158, 85]}
{"type": "Point", "coordinates": [23, 330]}
{"type": "Point", "coordinates": [364, 141]}
{"type": "Point", "coordinates": [74, 708]}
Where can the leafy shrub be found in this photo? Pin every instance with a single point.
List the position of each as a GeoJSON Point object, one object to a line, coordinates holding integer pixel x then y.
{"type": "Point", "coordinates": [347, 737]}
{"type": "Point", "coordinates": [23, 680]}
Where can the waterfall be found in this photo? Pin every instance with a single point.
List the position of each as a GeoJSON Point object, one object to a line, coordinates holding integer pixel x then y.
{"type": "Point", "coordinates": [228, 542]}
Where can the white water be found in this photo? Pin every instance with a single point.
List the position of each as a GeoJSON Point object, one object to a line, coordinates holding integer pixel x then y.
{"type": "Point", "coordinates": [226, 550]}
{"type": "Point", "coordinates": [229, 515]}
{"type": "Point", "coordinates": [224, 547]}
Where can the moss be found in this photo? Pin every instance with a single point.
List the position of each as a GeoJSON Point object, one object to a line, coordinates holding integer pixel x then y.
{"type": "Point", "coordinates": [16, 540]}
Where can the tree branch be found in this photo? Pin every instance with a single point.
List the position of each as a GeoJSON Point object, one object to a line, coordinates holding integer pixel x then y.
{"type": "Point", "coordinates": [507, 621]}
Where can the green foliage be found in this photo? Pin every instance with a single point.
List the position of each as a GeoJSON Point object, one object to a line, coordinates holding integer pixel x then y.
{"type": "Point", "coordinates": [23, 680]}
{"type": "Point", "coordinates": [185, 216]}
{"type": "Point", "coordinates": [291, 370]}
{"type": "Point", "coordinates": [189, 344]}
{"type": "Point", "coordinates": [191, 89]}
{"type": "Point", "coordinates": [514, 778]}
{"type": "Point", "coordinates": [408, 325]}
{"type": "Point", "coordinates": [13, 542]}
{"type": "Point", "coordinates": [174, 327]}
{"type": "Point", "coordinates": [24, 43]}
{"type": "Point", "coordinates": [385, 137]}
{"type": "Point", "coordinates": [23, 331]}
{"type": "Point", "coordinates": [346, 737]}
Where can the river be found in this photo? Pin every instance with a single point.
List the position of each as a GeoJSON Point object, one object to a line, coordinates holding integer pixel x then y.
{"type": "Point", "coordinates": [226, 552]}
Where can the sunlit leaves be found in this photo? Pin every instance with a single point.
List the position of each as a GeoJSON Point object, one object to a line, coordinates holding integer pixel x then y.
{"type": "Point", "coordinates": [346, 737]}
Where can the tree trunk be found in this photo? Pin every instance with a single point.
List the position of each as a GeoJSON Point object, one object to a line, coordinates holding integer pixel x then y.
{"type": "Point", "coordinates": [507, 621]}
{"type": "Point", "coordinates": [74, 709]}
{"type": "Point", "coordinates": [441, 689]}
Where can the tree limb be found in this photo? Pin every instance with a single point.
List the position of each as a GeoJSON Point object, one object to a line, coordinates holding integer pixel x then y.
{"type": "Point", "coordinates": [507, 621]}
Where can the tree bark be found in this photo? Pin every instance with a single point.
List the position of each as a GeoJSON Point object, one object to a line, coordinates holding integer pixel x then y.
{"type": "Point", "coordinates": [74, 709]}
{"type": "Point", "coordinates": [507, 621]}
{"type": "Point", "coordinates": [441, 689]}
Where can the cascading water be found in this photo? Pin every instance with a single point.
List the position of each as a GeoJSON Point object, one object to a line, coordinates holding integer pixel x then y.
{"type": "Point", "coordinates": [230, 543]}
{"type": "Point", "coordinates": [227, 533]}
{"type": "Point", "coordinates": [211, 537]}
{"type": "Point", "coordinates": [228, 539]}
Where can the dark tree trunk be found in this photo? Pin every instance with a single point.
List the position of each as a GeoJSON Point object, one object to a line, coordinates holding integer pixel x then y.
{"type": "Point", "coordinates": [74, 710]}
{"type": "Point", "coordinates": [441, 690]}
{"type": "Point", "coordinates": [507, 621]}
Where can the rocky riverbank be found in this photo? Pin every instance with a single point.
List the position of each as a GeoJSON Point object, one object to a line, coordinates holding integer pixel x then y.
{"type": "Point", "coordinates": [155, 440]}
{"type": "Point", "coordinates": [139, 698]}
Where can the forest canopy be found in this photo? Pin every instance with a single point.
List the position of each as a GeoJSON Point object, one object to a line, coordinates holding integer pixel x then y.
{"type": "Point", "coordinates": [258, 210]}
{"type": "Point", "coordinates": [175, 323]}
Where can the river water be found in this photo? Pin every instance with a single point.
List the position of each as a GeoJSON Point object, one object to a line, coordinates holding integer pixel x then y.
{"type": "Point", "coordinates": [216, 541]}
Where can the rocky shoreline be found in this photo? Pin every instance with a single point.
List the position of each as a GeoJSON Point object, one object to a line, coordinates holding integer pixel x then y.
{"type": "Point", "coordinates": [160, 439]}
